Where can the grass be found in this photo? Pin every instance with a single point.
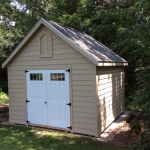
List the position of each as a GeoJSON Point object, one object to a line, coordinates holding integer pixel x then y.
{"type": "Point", "coordinates": [25, 138]}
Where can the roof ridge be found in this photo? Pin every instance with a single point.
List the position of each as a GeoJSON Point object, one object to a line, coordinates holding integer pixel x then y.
{"type": "Point", "coordinates": [68, 27]}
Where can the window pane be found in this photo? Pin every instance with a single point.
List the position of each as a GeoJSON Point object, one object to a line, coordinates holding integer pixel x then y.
{"type": "Point", "coordinates": [55, 76]}
{"type": "Point", "coordinates": [51, 76]}
{"type": "Point", "coordinates": [37, 76]}
{"type": "Point", "coordinates": [40, 77]}
{"type": "Point", "coordinates": [34, 76]}
{"type": "Point", "coordinates": [31, 78]}
{"type": "Point", "coordinates": [59, 76]}
{"type": "Point", "coordinates": [63, 77]}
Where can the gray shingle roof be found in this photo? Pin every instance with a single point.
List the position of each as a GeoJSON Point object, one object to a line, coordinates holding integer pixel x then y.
{"type": "Point", "coordinates": [88, 44]}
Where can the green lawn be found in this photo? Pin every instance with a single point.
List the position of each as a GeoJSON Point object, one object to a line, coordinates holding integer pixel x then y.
{"type": "Point", "coordinates": [24, 138]}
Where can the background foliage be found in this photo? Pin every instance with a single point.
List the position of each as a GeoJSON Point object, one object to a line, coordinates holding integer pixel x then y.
{"type": "Point", "coordinates": [122, 25]}
{"type": "Point", "coordinates": [3, 97]}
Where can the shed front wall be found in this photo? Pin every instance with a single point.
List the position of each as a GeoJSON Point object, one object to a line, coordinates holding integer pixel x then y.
{"type": "Point", "coordinates": [110, 91]}
{"type": "Point", "coordinates": [82, 81]}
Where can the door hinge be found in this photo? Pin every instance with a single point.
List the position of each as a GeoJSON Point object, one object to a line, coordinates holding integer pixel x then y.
{"type": "Point", "coordinates": [68, 70]}
{"type": "Point", "coordinates": [26, 71]}
{"type": "Point", "coordinates": [69, 104]}
{"type": "Point", "coordinates": [27, 101]}
{"type": "Point", "coordinates": [28, 121]}
{"type": "Point", "coordinates": [70, 127]}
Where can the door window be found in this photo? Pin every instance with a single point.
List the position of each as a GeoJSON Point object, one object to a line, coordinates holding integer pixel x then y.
{"type": "Point", "coordinates": [36, 76]}
{"type": "Point", "coordinates": [57, 77]}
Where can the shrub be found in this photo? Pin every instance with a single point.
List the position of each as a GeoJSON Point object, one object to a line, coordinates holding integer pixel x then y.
{"type": "Point", "coordinates": [3, 97]}
{"type": "Point", "coordinates": [141, 106]}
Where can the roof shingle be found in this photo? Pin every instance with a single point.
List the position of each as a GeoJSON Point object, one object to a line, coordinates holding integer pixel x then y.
{"type": "Point", "coordinates": [88, 44]}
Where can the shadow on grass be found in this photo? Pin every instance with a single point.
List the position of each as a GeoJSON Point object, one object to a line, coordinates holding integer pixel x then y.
{"type": "Point", "coordinates": [24, 138]}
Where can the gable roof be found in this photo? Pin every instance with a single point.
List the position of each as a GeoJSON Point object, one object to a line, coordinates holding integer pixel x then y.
{"type": "Point", "coordinates": [95, 51]}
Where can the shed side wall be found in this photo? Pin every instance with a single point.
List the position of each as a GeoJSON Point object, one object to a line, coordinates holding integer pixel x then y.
{"type": "Point", "coordinates": [110, 95]}
{"type": "Point", "coordinates": [64, 56]}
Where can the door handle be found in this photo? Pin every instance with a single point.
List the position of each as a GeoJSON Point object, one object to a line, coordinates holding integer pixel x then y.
{"type": "Point", "coordinates": [45, 102]}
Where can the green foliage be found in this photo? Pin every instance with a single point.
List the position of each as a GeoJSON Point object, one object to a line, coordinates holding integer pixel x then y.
{"type": "Point", "coordinates": [3, 98]}
{"type": "Point", "coordinates": [18, 138]}
{"type": "Point", "coordinates": [141, 106]}
{"type": "Point", "coordinates": [10, 36]}
{"type": "Point", "coordinates": [142, 95]}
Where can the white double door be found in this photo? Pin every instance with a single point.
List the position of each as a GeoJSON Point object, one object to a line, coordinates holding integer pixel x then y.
{"type": "Point", "coordinates": [48, 97]}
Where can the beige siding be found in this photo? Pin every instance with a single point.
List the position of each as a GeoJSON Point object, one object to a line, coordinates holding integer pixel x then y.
{"type": "Point", "coordinates": [110, 82]}
{"type": "Point", "coordinates": [64, 56]}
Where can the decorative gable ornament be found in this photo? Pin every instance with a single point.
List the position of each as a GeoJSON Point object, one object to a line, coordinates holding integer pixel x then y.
{"type": "Point", "coordinates": [45, 45]}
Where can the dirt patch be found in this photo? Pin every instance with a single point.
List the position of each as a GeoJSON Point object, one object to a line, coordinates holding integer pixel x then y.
{"type": "Point", "coordinates": [125, 136]}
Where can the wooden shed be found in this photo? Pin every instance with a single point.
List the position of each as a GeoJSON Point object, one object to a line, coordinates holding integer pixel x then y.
{"type": "Point", "coordinates": [64, 79]}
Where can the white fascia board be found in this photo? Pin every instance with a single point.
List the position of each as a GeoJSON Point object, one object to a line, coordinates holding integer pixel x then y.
{"type": "Point", "coordinates": [112, 64]}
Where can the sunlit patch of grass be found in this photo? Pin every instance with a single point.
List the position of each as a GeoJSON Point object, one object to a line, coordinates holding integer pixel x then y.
{"type": "Point", "coordinates": [18, 138]}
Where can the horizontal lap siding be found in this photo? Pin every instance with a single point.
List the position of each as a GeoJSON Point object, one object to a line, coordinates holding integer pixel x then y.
{"type": "Point", "coordinates": [110, 94]}
{"type": "Point", "coordinates": [82, 80]}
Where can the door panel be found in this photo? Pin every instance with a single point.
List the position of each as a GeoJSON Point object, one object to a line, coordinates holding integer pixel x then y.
{"type": "Point", "coordinates": [53, 92]}
{"type": "Point", "coordinates": [36, 94]}
{"type": "Point", "coordinates": [58, 97]}
{"type": "Point", "coordinates": [62, 114]}
{"type": "Point", "coordinates": [61, 92]}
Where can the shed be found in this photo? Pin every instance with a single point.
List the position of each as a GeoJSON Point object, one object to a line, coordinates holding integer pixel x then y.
{"type": "Point", "coordinates": [64, 79]}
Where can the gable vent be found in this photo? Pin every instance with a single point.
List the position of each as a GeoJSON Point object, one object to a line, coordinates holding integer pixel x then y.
{"type": "Point", "coordinates": [45, 45]}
